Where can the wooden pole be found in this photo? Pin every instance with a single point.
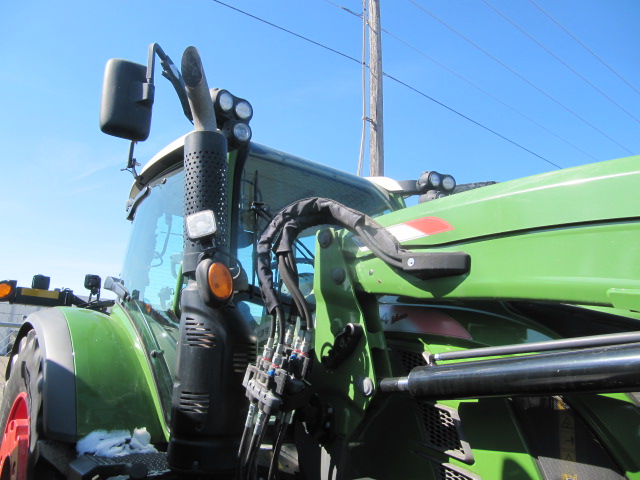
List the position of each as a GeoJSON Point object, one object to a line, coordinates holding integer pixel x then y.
{"type": "Point", "coordinates": [376, 137]}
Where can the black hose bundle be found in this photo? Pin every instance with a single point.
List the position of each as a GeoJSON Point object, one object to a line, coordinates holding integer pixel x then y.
{"type": "Point", "coordinates": [283, 229]}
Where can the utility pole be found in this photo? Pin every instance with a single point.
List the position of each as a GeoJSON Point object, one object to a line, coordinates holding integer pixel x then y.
{"type": "Point", "coordinates": [376, 137]}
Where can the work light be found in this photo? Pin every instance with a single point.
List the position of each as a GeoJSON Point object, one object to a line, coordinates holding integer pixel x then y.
{"type": "Point", "coordinates": [243, 110]}
{"type": "Point", "coordinates": [223, 100]}
{"type": "Point", "coordinates": [242, 132]}
{"type": "Point", "coordinates": [428, 181]}
{"type": "Point", "coordinates": [448, 183]}
{"type": "Point", "coordinates": [200, 224]}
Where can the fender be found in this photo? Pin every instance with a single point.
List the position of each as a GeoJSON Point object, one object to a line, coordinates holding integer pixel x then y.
{"type": "Point", "coordinates": [59, 389]}
{"type": "Point", "coordinates": [96, 375]}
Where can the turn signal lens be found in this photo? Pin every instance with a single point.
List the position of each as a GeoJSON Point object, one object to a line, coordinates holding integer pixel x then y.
{"type": "Point", "coordinates": [220, 281]}
{"type": "Point", "coordinates": [7, 290]}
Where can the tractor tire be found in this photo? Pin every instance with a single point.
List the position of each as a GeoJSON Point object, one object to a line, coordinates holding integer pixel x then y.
{"type": "Point", "coordinates": [22, 404]}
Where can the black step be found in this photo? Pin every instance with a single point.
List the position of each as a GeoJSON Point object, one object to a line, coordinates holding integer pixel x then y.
{"type": "Point", "coordinates": [136, 467]}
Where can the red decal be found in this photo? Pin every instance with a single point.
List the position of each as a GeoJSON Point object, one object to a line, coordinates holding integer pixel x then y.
{"type": "Point", "coordinates": [429, 225]}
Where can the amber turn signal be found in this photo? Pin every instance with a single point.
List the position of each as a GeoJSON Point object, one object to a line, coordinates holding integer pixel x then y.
{"type": "Point", "coordinates": [215, 282]}
{"type": "Point", "coordinates": [220, 281]}
{"type": "Point", "coordinates": [7, 290]}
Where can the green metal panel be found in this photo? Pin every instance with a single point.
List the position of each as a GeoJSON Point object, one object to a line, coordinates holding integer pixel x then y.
{"type": "Point", "coordinates": [115, 387]}
{"type": "Point", "coordinates": [336, 306]}
{"type": "Point", "coordinates": [569, 236]}
{"type": "Point", "coordinates": [616, 421]}
{"type": "Point", "coordinates": [605, 191]}
{"type": "Point", "coordinates": [500, 451]}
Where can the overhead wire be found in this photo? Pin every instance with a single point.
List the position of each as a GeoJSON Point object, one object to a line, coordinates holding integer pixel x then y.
{"type": "Point", "coordinates": [302, 37]}
{"type": "Point", "coordinates": [584, 46]}
{"type": "Point", "coordinates": [406, 85]}
{"type": "Point", "coordinates": [472, 120]}
{"type": "Point", "coordinates": [510, 107]}
{"type": "Point", "coordinates": [582, 77]}
{"type": "Point", "coordinates": [521, 77]}
{"type": "Point", "coordinates": [472, 84]}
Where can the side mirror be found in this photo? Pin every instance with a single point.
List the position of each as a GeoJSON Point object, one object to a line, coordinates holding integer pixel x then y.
{"type": "Point", "coordinates": [127, 99]}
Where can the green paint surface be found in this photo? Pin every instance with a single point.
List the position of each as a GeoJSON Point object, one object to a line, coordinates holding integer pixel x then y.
{"type": "Point", "coordinates": [115, 388]}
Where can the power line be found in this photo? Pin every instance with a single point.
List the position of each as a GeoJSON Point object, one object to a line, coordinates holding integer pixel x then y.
{"type": "Point", "coordinates": [288, 31]}
{"type": "Point", "coordinates": [583, 45]}
{"type": "Point", "coordinates": [469, 119]}
{"type": "Point", "coordinates": [560, 60]}
{"type": "Point", "coordinates": [518, 75]}
{"type": "Point", "coordinates": [391, 78]}
{"type": "Point", "coordinates": [510, 107]}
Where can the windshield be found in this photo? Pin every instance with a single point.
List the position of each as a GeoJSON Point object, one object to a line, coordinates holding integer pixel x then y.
{"type": "Point", "coordinates": [264, 182]}
{"type": "Point", "coordinates": [269, 181]}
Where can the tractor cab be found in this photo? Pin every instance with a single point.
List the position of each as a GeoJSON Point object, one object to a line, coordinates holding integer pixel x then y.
{"type": "Point", "coordinates": [264, 181]}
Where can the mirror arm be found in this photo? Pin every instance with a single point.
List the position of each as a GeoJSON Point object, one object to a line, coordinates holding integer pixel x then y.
{"type": "Point", "coordinates": [131, 162]}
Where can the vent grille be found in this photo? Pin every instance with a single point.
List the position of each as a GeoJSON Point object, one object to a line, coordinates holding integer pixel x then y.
{"type": "Point", "coordinates": [193, 402]}
{"type": "Point", "coordinates": [243, 356]}
{"type": "Point", "coordinates": [447, 471]}
{"type": "Point", "coordinates": [443, 431]}
{"type": "Point", "coordinates": [198, 334]}
{"type": "Point", "coordinates": [410, 360]}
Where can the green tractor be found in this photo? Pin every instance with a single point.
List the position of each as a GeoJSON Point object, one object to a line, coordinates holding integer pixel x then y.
{"type": "Point", "coordinates": [279, 319]}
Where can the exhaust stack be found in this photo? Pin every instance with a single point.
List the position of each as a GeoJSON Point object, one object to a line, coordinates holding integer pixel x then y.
{"type": "Point", "coordinates": [208, 400]}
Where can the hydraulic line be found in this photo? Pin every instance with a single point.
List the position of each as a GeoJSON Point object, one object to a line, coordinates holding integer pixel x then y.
{"type": "Point", "coordinates": [289, 276]}
{"type": "Point", "coordinates": [569, 343]}
{"type": "Point", "coordinates": [393, 260]}
{"type": "Point", "coordinates": [245, 435]}
{"type": "Point", "coordinates": [282, 231]}
{"type": "Point", "coordinates": [277, 446]}
{"type": "Point", "coordinates": [254, 445]}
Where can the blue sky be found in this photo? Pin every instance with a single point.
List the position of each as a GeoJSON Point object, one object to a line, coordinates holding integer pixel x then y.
{"type": "Point", "coordinates": [63, 195]}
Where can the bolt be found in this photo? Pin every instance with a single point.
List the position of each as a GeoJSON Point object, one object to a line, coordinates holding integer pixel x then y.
{"type": "Point", "coordinates": [338, 275]}
{"type": "Point", "coordinates": [411, 262]}
{"type": "Point", "coordinates": [365, 384]}
{"type": "Point", "coordinates": [371, 272]}
{"type": "Point", "coordinates": [324, 238]}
